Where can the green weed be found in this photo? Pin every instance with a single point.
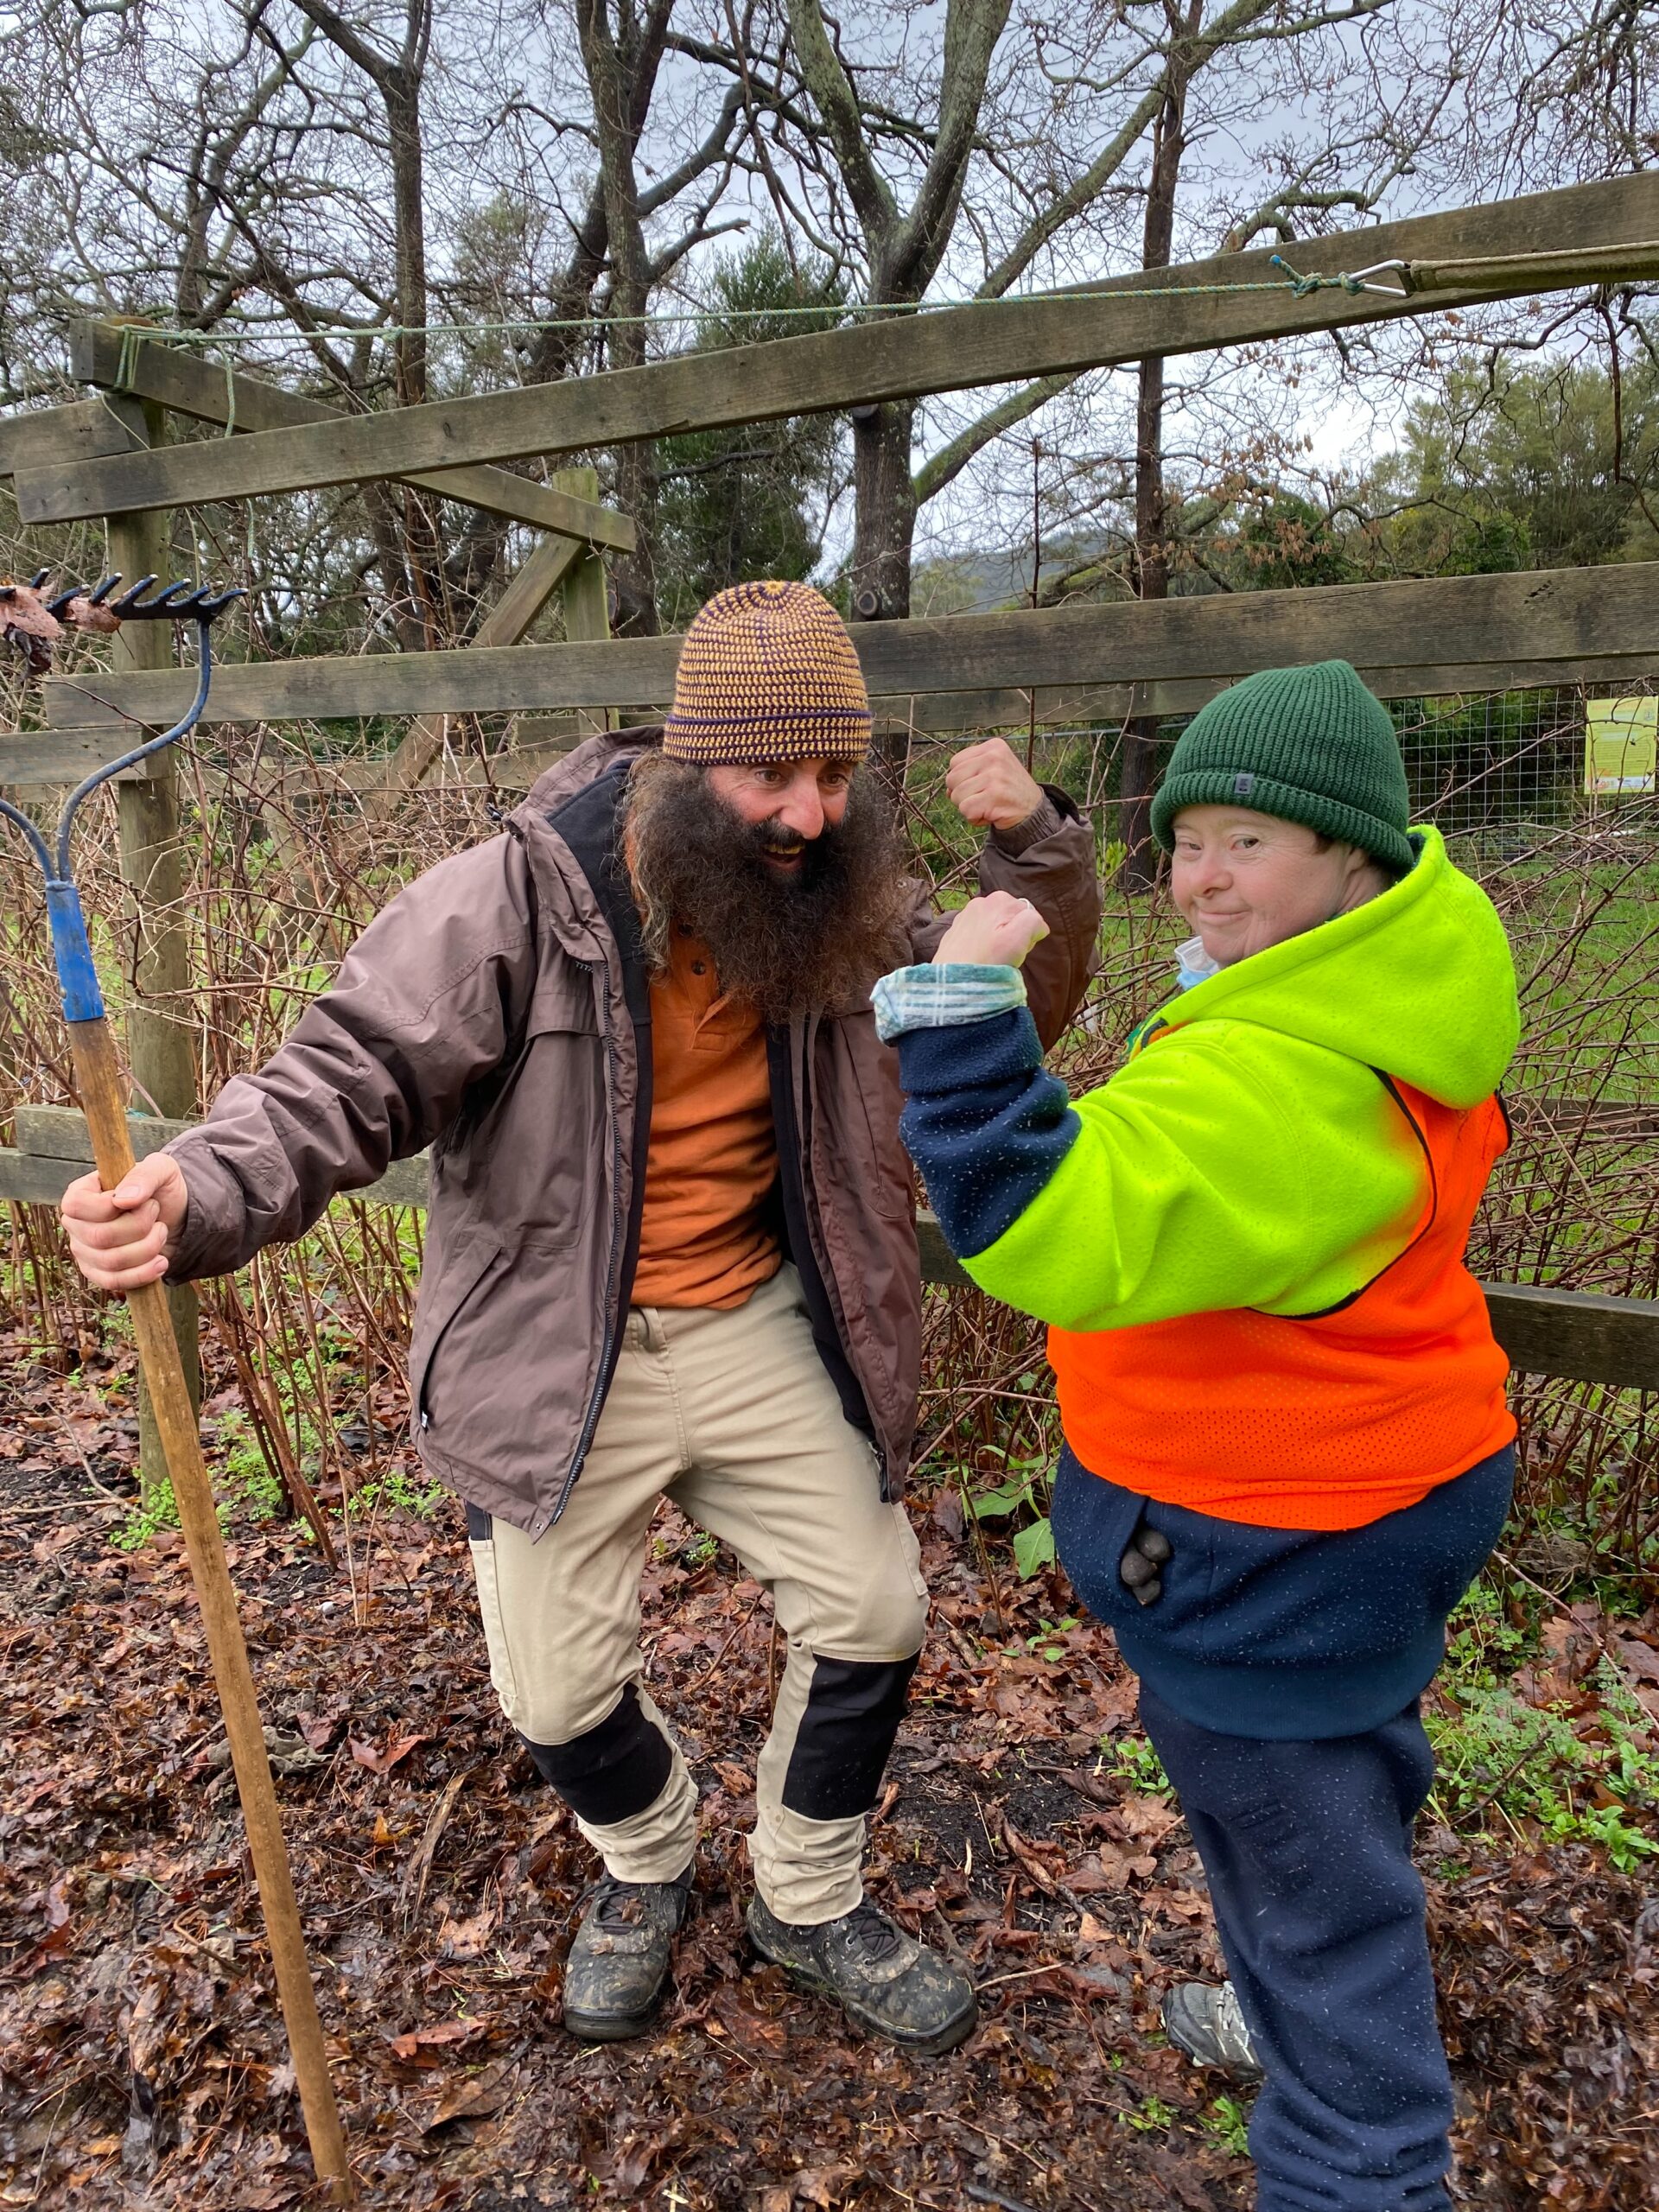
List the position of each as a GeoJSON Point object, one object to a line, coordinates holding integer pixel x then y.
{"type": "Point", "coordinates": [1228, 2123]}
{"type": "Point", "coordinates": [1043, 1644]}
{"type": "Point", "coordinates": [1033, 1544]}
{"type": "Point", "coordinates": [245, 1478]}
{"type": "Point", "coordinates": [398, 1493]}
{"type": "Point", "coordinates": [1134, 1761]}
{"type": "Point", "coordinates": [150, 1514]}
{"type": "Point", "coordinates": [1581, 1777]}
{"type": "Point", "coordinates": [1150, 2114]}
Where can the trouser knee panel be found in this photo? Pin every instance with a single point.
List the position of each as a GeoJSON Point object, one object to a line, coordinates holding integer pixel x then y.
{"type": "Point", "coordinates": [612, 1771]}
{"type": "Point", "coordinates": [853, 1710]}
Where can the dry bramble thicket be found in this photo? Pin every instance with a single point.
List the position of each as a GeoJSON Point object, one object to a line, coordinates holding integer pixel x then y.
{"type": "Point", "coordinates": [1025, 1824]}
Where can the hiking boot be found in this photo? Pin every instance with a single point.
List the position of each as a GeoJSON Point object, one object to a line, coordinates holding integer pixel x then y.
{"type": "Point", "coordinates": [881, 1977]}
{"type": "Point", "coordinates": [618, 1961]}
{"type": "Point", "coordinates": [1206, 2023]}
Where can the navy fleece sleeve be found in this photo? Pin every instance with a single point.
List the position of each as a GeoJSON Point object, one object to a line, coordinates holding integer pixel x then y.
{"type": "Point", "coordinates": [984, 1121]}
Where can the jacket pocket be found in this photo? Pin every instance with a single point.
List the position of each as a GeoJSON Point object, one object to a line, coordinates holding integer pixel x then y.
{"type": "Point", "coordinates": [563, 999]}
{"type": "Point", "coordinates": [439, 1305]}
{"type": "Point", "coordinates": [1093, 1519]}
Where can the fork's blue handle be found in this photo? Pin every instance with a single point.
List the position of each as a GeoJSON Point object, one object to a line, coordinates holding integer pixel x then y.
{"type": "Point", "coordinates": [72, 954]}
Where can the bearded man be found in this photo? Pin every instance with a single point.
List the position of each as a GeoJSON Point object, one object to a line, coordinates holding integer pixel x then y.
{"type": "Point", "coordinates": [670, 1252]}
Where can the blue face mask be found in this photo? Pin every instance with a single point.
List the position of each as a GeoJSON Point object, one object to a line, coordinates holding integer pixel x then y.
{"type": "Point", "coordinates": [1194, 964]}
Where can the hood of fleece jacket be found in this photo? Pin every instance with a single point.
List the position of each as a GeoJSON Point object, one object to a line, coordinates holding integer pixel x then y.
{"type": "Point", "coordinates": [1418, 982]}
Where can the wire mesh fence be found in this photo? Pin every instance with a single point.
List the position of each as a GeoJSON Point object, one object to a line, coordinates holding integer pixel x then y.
{"type": "Point", "coordinates": [1493, 766]}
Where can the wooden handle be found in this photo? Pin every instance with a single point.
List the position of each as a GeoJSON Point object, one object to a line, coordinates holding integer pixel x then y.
{"type": "Point", "coordinates": [98, 1078]}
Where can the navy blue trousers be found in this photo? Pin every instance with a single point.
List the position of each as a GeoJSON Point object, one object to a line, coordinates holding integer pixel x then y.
{"type": "Point", "coordinates": [1307, 1848]}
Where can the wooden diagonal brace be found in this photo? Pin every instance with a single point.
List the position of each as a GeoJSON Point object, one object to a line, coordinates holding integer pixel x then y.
{"type": "Point", "coordinates": [179, 380]}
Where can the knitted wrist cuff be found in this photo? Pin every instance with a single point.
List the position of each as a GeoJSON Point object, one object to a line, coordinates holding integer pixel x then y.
{"type": "Point", "coordinates": [944, 996]}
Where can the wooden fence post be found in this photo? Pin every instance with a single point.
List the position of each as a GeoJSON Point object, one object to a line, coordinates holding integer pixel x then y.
{"type": "Point", "coordinates": [159, 1044]}
{"type": "Point", "coordinates": [587, 607]}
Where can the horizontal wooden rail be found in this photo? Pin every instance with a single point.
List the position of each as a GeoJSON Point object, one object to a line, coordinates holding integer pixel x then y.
{"type": "Point", "coordinates": [55, 757]}
{"type": "Point", "coordinates": [1615, 1119]}
{"type": "Point", "coordinates": [993, 342]}
{"type": "Point", "coordinates": [59, 757]}
{"type": "Point", "coordinates": [1418, 629]}
{"type": "Point", "coordinates": [1575, 1335]}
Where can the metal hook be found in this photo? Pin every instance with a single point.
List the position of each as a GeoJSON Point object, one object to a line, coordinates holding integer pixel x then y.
{"type": "Point", "coordinates": [1400, 269]}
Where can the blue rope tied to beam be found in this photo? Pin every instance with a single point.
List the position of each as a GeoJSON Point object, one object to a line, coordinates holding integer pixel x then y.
{"type": "Point", "coordinates": [1301, 286]}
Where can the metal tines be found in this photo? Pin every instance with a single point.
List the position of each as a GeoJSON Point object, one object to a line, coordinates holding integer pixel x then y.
{"type": "Point", "coordinates": [175, 603]}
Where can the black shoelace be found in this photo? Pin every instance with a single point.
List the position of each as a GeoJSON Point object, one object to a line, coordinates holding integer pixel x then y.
{"type": "Point", "coordinates": [623, 1905]}
{"type": "Point", "coordinates": [870, 1933]}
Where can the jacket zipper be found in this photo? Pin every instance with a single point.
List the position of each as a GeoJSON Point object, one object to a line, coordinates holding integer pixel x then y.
{"type": "Point", "coordinates": [791, 1161]}
{"type": "Point", "coordinates": [609, 1343]}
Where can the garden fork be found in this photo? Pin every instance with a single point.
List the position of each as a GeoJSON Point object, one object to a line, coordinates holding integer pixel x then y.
{"type": "Point", "coordinates": [97, 1078]}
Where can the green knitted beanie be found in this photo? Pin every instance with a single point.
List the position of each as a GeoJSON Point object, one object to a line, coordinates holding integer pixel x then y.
{"type": "Point", "coordinates": [1309, 745]}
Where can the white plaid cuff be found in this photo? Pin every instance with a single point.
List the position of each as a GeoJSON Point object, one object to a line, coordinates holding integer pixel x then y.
{"type": "Point", "coordinates": [939, 996]}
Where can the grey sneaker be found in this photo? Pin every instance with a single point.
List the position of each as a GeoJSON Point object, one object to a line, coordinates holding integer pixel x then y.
{"type": "Point", "coordinates": [881, 1977]}
{"type": "Point", "coordinates": [618, 1961]}
{"type": "Point", "coordinates": [1206, 2023]}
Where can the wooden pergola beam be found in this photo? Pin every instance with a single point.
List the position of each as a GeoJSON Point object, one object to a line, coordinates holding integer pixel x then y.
{"type": "Point", "coordinates": [181, 381]}
{"type": "Point", "coordinates": [990, 343]}
{"type": "Point", "coordinates": [1421, 630]}
{"type": "Point", "coordinates": [80, 429]}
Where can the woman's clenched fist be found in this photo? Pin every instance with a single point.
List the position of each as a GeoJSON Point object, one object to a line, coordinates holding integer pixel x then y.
{"type": "Point", "coordinates": [997, 931]}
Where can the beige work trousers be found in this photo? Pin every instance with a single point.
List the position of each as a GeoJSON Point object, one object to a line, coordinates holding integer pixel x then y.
{"type": "Point", "coordinates": [734, 1417]}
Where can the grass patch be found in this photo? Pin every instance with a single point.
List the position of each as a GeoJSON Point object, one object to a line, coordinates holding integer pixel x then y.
{"type": "Point", "coordinates": [1573, 1769]}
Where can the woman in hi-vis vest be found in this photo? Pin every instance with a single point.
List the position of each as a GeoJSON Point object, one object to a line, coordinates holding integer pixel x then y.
{"type": "Point", "coordinates": [1287, 1450]}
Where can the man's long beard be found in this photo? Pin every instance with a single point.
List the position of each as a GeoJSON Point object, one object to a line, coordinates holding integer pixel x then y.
{"type": "Point", "coordinates": [814, 938]}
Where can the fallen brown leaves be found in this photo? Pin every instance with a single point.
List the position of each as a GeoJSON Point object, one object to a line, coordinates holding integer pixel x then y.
{"type": "Point", "coordinates": [141, 2057]}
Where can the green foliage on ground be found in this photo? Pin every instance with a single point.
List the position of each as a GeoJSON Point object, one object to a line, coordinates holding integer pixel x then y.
{"type": "Point", "coordinates": [1575, 1769]}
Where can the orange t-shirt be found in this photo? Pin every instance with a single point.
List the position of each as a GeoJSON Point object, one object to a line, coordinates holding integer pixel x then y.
{"type": "Point", "coordinates": [704, 1239]}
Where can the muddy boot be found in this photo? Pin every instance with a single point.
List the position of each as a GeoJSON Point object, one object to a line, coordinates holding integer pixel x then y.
{"type": "Point", "coordinates": [1207, 2025]}
{"type": "Point", "coordinates": [883, 1979]}
{"type": "Point", "coordinates": [618, 1960]}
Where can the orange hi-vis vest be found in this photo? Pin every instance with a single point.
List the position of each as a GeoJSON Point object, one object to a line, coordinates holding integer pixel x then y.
{"type": "Point", "coordinates": [1323, 1420]}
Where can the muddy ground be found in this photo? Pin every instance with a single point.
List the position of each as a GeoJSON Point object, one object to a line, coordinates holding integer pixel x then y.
{"type": "Point", "coordinates": [141, 2061]}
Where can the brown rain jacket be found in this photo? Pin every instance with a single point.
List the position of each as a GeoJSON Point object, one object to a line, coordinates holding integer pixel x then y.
{"type": "Point", "coordinates": [499, 1011]}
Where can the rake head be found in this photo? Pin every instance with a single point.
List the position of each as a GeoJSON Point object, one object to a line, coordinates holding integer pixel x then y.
{"type": "Point", "coordinates": [35, 624]}
{"type": "Point", "coordinates": [175, 603]}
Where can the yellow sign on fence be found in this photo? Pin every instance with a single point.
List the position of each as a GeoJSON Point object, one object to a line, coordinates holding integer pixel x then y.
{"type": "Point", "coordinates": [1621, 746]}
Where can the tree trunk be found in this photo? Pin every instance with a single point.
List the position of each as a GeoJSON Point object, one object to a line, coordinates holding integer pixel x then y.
{"type": "Point", "coordinates": [633, 575]}
{"type": "Point", "coordinates": [1138, 871]}
{"type": "Point", "coordinates": [619, 61]}
{"type": "Point", "coordinates": [400, 90]}
{"type": "Point", "coordinates": [885, 499]}
{"type": "Point", "coordinates": [407, 541]}
{"type": "Point", "coordinates": [884, 525]}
